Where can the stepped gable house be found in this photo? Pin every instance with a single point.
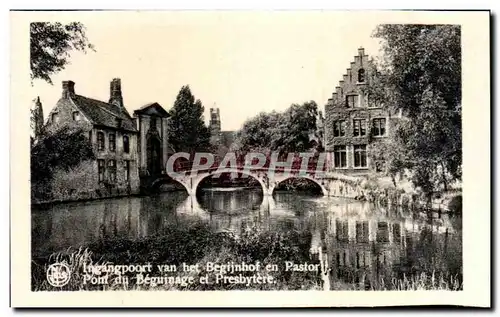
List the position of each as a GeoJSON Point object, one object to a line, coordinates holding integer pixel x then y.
{"type": "Point", "coordinates": [353, 124]}
{"type": "Point", "coordinates": [123, 145]}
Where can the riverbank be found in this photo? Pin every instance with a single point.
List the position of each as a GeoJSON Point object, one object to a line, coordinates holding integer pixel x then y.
{"type": "Point", "coordinates": [44, 203]}
{"type": "Point", "coordinates": [381, 190]}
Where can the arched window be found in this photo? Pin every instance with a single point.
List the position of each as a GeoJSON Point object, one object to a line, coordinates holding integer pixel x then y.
{"type": "Point", "coordinates": [361, 75]}
{"type": "Point", "coordinates": [126, 144]}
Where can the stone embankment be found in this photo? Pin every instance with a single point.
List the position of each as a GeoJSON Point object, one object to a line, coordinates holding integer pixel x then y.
{"type": "Point", "coordinates": [407, 197]}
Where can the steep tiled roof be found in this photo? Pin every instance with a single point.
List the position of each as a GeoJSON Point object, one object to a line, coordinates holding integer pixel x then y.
{"type": "Point", "coordinates": [104, 114]}
{"type": "Point", "coordinates": [153, 105]}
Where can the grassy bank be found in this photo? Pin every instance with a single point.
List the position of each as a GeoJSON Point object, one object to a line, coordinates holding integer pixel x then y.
{"type": "Point", "coordinates": [198, 244]}
{"type": "Point", "coordinates": [418, 282]}
{"type": "Point", "coordinates": [190, 245]}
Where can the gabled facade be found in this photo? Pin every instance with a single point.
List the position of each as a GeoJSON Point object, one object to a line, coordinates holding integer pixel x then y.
{"type": "Point", "coordinates": [114, 137]}
{"type": "Point", "coordinates": [154, 149]}
{"type": "Point", "coordinates": [354, 124]}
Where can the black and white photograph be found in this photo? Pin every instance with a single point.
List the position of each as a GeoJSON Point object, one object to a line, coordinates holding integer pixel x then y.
{"type": "Point", "coordinates": [259, 151]}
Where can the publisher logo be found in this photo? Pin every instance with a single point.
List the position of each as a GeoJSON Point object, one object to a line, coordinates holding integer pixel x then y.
{"type": "Point", "coordinates": [58, 274]}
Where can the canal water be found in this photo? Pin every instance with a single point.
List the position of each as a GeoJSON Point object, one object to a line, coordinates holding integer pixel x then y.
{"type": "Point", "coordinates": [361, 245]}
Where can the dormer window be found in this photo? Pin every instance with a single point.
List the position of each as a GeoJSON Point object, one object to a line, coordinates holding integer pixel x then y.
{"type": "Point", "coordinates": [76, 116]}
{"type": "Point", "coordinates": [153, 122]}
{"type": "Point", "coordinates": [361, 75]}
{"type": "Point", "coordinates": [55, 117]}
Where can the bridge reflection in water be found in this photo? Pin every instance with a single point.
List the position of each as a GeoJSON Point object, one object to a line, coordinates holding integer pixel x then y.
{"type": "Point", "coordinates": [359, 242]}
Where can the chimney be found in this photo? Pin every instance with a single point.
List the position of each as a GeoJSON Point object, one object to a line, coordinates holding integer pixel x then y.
{"type": "Point", "coordinates": [68, 89]}
{"type": "Point", "coordinates": [361, 51]}
{"type": "Point", "coordinates": [115, 92]}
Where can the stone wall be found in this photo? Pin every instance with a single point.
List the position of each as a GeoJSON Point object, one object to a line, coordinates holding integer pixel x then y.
{"type": "Point", "coordinates": [63, 111]}
{"type": "Point", "coordinates": [349, 114]}
{"type": "Point", "coordinates": [82, 183]}
{"type": "Point", "coordinates": [448, 203]}
{"type": "Point", "coordinates": [120, 157]}
{"type": "Point", "coordinates": [349, 140]}
{"type": "Point", "coordinates": [144, 126]}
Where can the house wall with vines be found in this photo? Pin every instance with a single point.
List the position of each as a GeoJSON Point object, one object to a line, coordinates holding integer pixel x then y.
{"type": "Point", "coordinates": [350, 105]}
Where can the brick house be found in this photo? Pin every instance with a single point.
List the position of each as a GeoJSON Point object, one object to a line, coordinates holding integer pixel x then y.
{"type": "Point", "coordinates": [353, 124]}
{"type": "Point", "coordinates": [114, 137]}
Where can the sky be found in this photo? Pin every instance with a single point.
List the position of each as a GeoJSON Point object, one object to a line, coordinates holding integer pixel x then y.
{"type": "Point", "coordinates": [242, 63]}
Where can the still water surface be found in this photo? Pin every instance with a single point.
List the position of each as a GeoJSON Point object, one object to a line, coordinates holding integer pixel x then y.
{"type": "Point", "coordinates": [358, 240]}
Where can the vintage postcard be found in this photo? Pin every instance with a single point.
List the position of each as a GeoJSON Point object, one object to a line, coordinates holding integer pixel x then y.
{"type": "Point", "coordinates": [250, 159]}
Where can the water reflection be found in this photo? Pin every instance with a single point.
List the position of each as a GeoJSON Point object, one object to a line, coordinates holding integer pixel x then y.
{"type": "Point", "coordinates": [363, 244]}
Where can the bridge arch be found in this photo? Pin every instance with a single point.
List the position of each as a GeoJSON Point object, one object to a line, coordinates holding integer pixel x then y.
{"type": "Point", "coordinates": [196, 181]}
{"type": "Point", "coordinates": [155, 184]}
{"type": "Point", "coordinates": [280, 180]}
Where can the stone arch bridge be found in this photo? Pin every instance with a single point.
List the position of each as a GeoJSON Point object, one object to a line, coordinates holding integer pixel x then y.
{"type": "Point", "coordinates": [331, 184]}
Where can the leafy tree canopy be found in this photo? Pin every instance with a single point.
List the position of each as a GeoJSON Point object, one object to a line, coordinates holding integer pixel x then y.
{"type": "Point", "coordinates": [50, 44]}
{"type": "Point", "coordinates": [420, 75]}
{"type": "Point", "coordinates": [289, 131]}
{"type": "Point", "coordinates": [188, 132]}
{"type": "Point", "coordinates": [36, 118]}
{"type": "Point", "coordinates": [63, 149]}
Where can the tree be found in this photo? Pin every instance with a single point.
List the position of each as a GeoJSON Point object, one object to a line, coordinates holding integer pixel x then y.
{"type": "Point", "coordinates": [258, 133]}
{"type": "Point", "coordinates": [50, 44]}
{"type": "Point", "coordinates": [290, 131]}
{"type": "Point", "coordinates": [420, 75]}
{"type": "Point", "coordinates": [64, 149]}
{"type": "Point", "coordinates": [188, 132]}
{"type": "Point", "coordinates": [36, 119]}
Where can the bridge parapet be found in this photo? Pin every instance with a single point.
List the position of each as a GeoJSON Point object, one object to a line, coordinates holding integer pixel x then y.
{"type": "Point", "coordinates": [268, 175]}
{"type": "Point", "coordinates": [330, 185]}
